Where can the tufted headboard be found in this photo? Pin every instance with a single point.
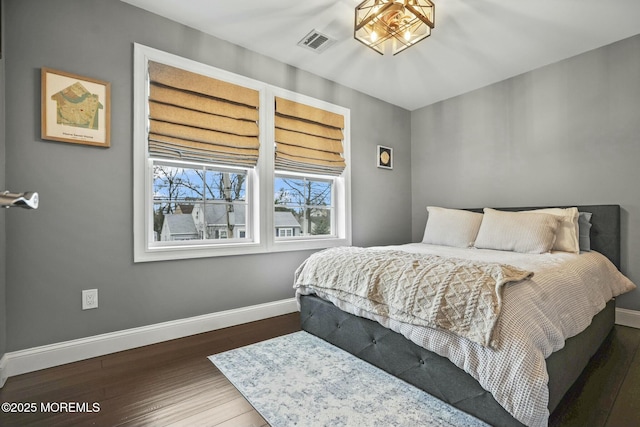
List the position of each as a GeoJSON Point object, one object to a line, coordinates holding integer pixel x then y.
{"type": "Point", "coordinates": [605, 227]}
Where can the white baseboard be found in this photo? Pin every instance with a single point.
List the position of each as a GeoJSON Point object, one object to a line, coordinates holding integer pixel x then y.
{"type": "Point", "coordinates": [33, 359]}
{"type": "Point", "coordinates": [627, 317]}
{"type": "Point", "coordinates": [47, 356]}
{"type": "Point", "coordinates": [3, 370]}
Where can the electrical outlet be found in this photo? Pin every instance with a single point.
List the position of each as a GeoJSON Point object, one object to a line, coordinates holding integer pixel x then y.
{"type": "Point", "coordinates": [89, 299]}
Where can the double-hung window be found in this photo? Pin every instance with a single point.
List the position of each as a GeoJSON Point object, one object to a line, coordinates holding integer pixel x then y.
{"type": "Point", "coordinates": [199, 203]}
{"type": "Point", "coordinates": [226, 165]}
{"type": "Point", "coordinates": [309, 163]}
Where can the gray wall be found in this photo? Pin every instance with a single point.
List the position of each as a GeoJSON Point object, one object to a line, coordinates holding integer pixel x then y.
{"type": "Point", "coordinates": [568, 133]}
{"type": "Point", "coordinates": [81, 236]}
{"type": "Point", "coordinates": [3, 303]}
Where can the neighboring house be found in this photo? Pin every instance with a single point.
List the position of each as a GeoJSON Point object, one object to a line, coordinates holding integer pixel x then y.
{"type": "Point", "coordinates": [286, 224]}
{"type": "Point", "coordinates": [216, 221]}
{"type": "Point", "coordinates": [178, 227]}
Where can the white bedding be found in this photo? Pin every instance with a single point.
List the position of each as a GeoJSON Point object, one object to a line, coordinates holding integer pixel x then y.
{"type": "Point", "coordinates": [538, 315]}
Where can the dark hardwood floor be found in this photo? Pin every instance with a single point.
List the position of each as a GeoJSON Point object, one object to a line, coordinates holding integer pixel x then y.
{"type": "Point", "coordinates": [174, 384]}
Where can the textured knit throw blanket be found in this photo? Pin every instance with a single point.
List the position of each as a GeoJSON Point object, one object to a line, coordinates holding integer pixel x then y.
{"type": "Point", "coordinates": [461, 296]}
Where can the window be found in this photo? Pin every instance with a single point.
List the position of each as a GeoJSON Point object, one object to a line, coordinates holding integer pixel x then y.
{"type": "Point", "coordinates": [198, 204]}
{"type": "Point", "coordinates": [305, 204]}
{"type": "Point", "coordinates": [221, 164]}
{"type": "Point", "coordinates": [284, 232]}
{"type": "Point", "coordinates": [309, 165]}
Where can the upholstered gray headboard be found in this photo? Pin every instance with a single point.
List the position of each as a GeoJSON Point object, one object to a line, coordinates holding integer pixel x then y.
{"type": "Point", "coordinates": [605, 227]}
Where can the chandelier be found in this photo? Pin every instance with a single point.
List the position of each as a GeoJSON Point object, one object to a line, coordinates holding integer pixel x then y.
{"type": "Point", "coordinates": [396, 24]}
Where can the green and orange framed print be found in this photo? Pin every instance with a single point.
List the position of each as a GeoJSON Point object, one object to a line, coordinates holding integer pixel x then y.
{"type": "Point", "coordinates": [75, 109]}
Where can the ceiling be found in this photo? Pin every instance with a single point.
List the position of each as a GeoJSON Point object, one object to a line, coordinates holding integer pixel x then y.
{"type": "Point", "coordinates": [475, 42]}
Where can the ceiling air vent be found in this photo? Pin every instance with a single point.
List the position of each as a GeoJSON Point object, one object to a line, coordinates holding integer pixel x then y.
{"type": "Point", "coordinates": [316, 41]}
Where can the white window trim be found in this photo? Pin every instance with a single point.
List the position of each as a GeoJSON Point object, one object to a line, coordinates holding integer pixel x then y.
{"type": "Point", "coordinates": [342, 184]}
{"type": "Point", "coordinates": [262, 205]}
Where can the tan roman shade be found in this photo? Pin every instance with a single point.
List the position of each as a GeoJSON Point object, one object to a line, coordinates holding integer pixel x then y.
{"type": "Point", "coordinates": [199, 118]}
{"type": "Point", "coordinates": [308, 139]}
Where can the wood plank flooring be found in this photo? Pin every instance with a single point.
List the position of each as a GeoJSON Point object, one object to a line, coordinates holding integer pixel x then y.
{"type": "Point", "coordinates": [607, 394]}
{"type": "Point", "coordinates": [174, 384]}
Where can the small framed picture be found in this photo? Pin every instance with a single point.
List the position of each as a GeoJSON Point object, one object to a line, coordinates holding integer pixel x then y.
{"type": "Point", "coordinates": [384, 158]}
{"type": "Point", "coordinates": [75, 109]}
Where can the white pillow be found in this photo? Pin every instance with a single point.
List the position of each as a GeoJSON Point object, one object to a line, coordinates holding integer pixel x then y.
{"type": "Point", "coordinates": [526, 232]}
{"type": "Point", "coordinates": [451, 227]}
{"type": "Point", "coordinates": [567, 234]}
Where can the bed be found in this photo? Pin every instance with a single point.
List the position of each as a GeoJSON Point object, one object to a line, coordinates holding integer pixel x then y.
{"type": "Point", "coordinates": [395, 348]}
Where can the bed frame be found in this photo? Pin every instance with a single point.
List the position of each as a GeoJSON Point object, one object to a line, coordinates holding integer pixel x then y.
{"type": "Point", "coordinates": [439, 377]}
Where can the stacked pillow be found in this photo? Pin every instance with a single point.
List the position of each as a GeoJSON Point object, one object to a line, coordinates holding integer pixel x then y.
{"type": "Point", "coordinates": [567, 232]}
{"type": "Point", "coordinates": [536, 231]}
{"type": "Point", "coordinates": [451, 227]}
{"type": "Point", "coordinates": [527, 232]}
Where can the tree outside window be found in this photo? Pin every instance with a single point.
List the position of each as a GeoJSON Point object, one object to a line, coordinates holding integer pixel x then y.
{"type": "Point", "coordinates": [309, 200]}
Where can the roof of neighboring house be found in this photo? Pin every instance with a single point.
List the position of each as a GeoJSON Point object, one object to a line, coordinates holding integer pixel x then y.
{"type": "Point", "coordinates": [216, 214]}
{"type": "Point", "coordinates": [180, 224]}
{"type": "Point", "coordinates": [285, 219]}
{"type": "Point", "coordinates": [185, 208]}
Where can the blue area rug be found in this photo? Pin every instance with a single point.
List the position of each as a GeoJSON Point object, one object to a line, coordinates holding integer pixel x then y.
{"type": "Point", "coordinates": [301, 380]}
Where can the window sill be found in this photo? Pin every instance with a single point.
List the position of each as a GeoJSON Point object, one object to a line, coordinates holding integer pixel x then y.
{"type": "Point", "coordinates": [167, 253]}
{"type": "Point", "coordinates": [308, 244]}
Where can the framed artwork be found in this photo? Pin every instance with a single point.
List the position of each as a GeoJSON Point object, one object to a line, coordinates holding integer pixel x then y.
{"type": "Point", "coordinates": [75, 109]}
{"type": "Point", "coordinates": [384, 157]}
